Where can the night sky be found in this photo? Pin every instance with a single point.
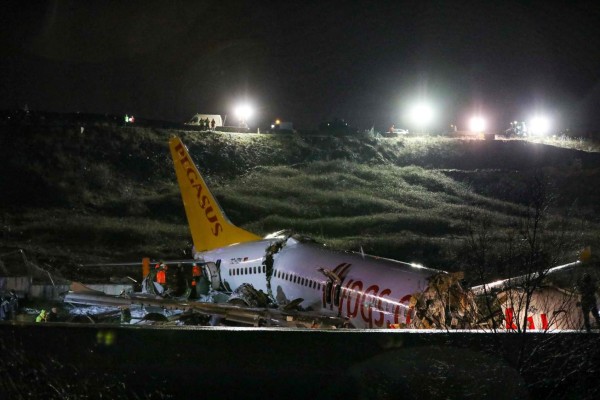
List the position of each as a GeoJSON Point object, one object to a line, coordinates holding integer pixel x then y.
{"type": "Point", "coordinates": [305, 61]}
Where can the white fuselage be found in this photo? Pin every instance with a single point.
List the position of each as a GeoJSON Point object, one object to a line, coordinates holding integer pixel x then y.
{"type": "Point", "coordinates": [372, 292]}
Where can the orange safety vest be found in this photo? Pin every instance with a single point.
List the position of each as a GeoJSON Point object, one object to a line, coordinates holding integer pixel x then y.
{"type": "Point", "coordinates": [195, 274]}
{"type": "Point", "coordinates": [161, 277]}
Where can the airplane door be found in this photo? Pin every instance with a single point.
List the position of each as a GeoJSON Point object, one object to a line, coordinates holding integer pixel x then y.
{"type": "Point", "coordinates": [332, 293]}
{"type": "Point", "coordinates": [336, 294]}
{"type": "Point", "coordinates": [213, 274]}
{"type": "Point", "coordinates": [328, 292]}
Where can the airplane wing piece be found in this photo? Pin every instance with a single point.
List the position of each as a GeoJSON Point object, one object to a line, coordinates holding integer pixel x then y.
{"type": "Point", "coordinates": [517, 280]}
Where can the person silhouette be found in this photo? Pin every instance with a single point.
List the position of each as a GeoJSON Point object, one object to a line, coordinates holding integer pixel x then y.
{"type": "Point", "coordinates": [587, 288]}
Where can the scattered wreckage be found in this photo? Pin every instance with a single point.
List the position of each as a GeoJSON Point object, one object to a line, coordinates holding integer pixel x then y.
{"type": "Point", "coordinates": [244, 307]}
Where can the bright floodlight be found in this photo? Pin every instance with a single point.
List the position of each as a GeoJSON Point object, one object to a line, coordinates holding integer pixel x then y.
{"type": "Point", "coordinates": [421, 114]}
{"type": "Point", "coordinates": [539, 125]}
{"type": "Point", "coordinates": [243, 112]}
{"type": "Point", "coordinates": [477, 124]}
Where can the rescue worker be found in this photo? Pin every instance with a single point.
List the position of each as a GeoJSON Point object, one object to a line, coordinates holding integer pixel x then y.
{"type": "Point", "coordinates": [196, 274]}
{"type": "Point", "coordinates": [212, 124]}
{"type": "Point", "coordinates": [125, 315]}
{"type": "Point", "coordinates": [161, 274]}
{"type": "Point", "coordinates": [13, 304]}
{"type": "Point", "coordinates": [4, 308]}
{"type": "Point", "coordinates": [41, 317]}
{"type": "Point", "coordinates": [587, 288]}
{"type": "Point", "coordinates": [52, 316]}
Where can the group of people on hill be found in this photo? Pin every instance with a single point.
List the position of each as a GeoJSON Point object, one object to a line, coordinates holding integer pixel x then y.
{"type": "Point", "coordinates": [206, 124]}
{"type": "Point", "coordinates": [9, 306]}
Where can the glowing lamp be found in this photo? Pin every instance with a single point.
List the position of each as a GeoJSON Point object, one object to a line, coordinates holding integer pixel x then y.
{"type": "Point", "coordinates": [477, 124]}
{"type": "Point", "coordinates": [539, 125]}
{"type": "Point", "coordinates": [243, 112]}
{"type": "Point", "coordinates": [421, 114]}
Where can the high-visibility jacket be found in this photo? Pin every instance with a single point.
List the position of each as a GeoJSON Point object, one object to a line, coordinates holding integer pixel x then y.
{"type": "Point", "coordinates": [161, 277]}
{"type": "Point", "coordinates": [41, 317]}
{"type": "Point", "coordinates": [196, 271]}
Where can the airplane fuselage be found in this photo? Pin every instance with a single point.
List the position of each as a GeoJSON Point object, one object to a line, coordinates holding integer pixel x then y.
{"type": "Point", "coordinates": [371, 292]}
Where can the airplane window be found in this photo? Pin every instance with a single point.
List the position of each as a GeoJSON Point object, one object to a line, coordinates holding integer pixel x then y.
{"type": "Point", "coordinates": [246, 271]}
{"type": "Point", "coordinates": [302, 281]}
{"type": "Point", "coordinates": [254, 269]}
{"type": "Point", "coordinates": [264, 269]}
{"type": "Point", "coordinates": [295, 279]}
{"type": "Point", "coordinates": [237, 271]}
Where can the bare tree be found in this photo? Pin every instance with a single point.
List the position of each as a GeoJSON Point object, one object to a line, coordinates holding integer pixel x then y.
{"type": "Point", "coordinates": [534, 244]}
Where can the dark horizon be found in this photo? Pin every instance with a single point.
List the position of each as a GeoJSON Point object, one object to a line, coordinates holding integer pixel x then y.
{"type": "Point", "coordinates": [306, 62]}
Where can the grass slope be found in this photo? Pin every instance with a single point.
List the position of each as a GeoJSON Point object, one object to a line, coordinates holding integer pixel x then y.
{"type": "Point", "coordinates": [109, 193]}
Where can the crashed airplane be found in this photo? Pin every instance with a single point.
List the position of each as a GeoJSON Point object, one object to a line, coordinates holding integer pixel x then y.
{"type": "Point", "coordinates": [361, 290]}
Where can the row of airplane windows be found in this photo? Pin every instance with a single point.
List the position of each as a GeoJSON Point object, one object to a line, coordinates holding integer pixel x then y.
{"type": "Point", "coordinates": [248, 270]}
{"type": "Point", "coordinates": [297, 279]}
{"type": "Point", "coordinates": [278, 274]}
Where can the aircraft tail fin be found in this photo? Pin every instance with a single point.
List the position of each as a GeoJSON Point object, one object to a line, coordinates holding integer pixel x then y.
{"type": "Point", "coordinates": [208, 224]}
